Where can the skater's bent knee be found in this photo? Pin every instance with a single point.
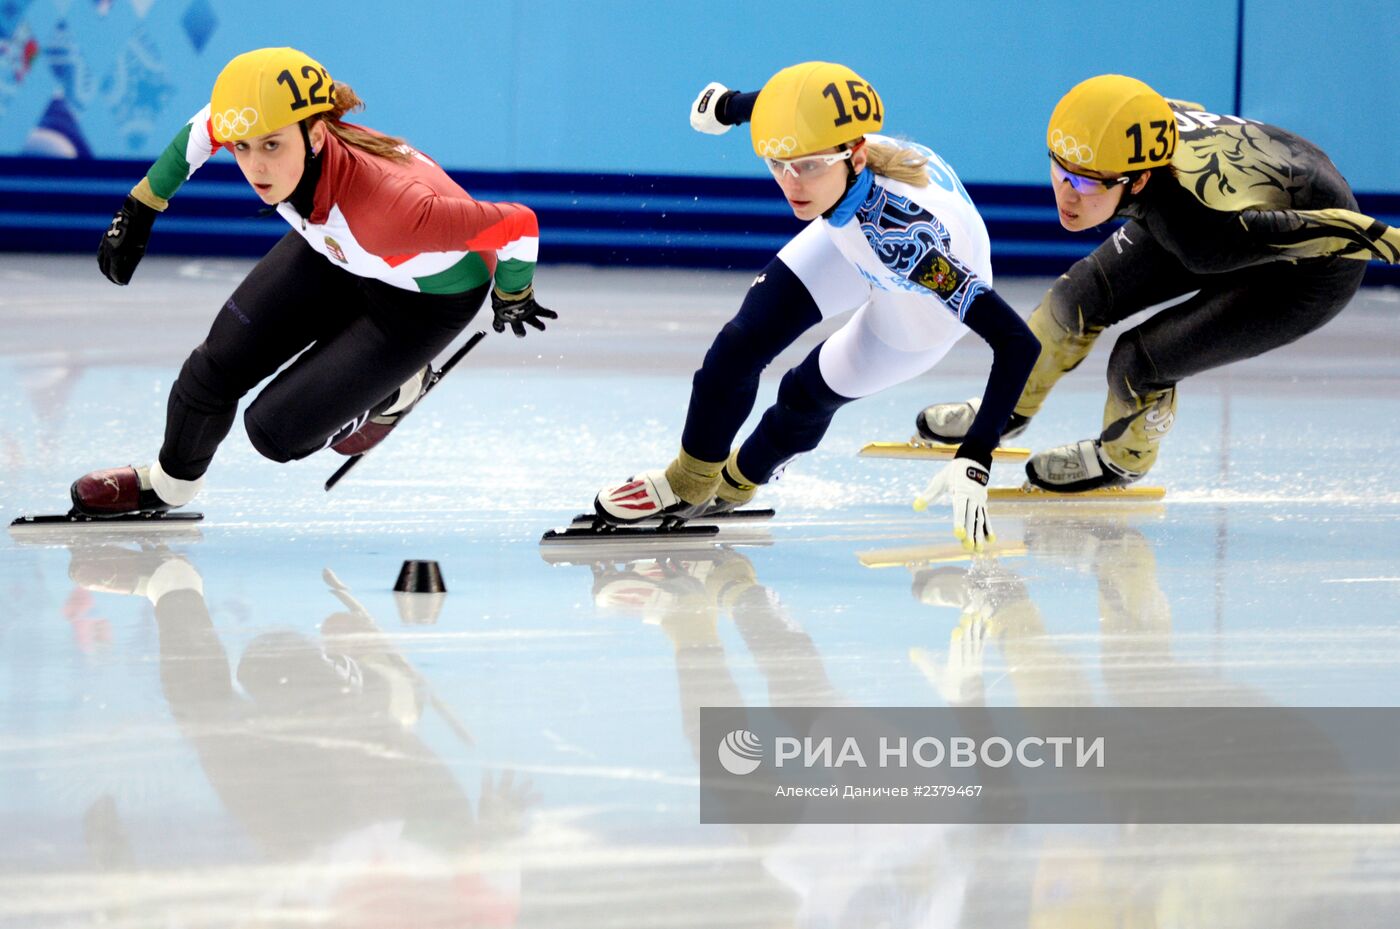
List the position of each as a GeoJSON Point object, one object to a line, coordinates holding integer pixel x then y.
{"type": "Point", "coordinates": [264, 436]}
{"type": "Point", "coordinates": [1130, 369]}
{"type": "Point", "coordinates": [804, 389]}
{"type": "Point", "coordinates": [1077, 299]}
{"type": "Point", "coordinates": [206, 385]}
{"type": "Point", "coordinates": [737, 352]}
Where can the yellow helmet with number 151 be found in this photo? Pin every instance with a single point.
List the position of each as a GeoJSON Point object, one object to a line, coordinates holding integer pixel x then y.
{"type": "Point", "coordinates": [813, 106]}
{"type": "Point", "coordinates": [1112, 123]}
{"type": "Point", "coordinates": [261, 91]}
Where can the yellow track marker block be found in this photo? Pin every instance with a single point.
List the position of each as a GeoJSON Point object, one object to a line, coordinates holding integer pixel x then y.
{"type": "Point", "coordinates": [933, 451]}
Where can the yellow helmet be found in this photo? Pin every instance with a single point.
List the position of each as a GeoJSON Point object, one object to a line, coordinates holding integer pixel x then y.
{"type": "Point", "coordinates": [1112, 123]}
{"type": "Point", "coordinates": [812, 106]}
{"type": "Point", "coordinates": [261, 91]}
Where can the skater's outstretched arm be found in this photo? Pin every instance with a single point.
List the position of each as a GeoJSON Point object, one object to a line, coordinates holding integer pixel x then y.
{"type": "Point", "coordinates": [1014, 352]}
{"type": "Point", "coordinates": [718, 109]}
{"type": "Point", "coordinates": [124, 243]}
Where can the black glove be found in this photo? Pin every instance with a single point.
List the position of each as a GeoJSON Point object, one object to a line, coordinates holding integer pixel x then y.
{"type": "Point", "coordinates": [124, 243]}
{"type": "Point", "coordinates": [517, 309]}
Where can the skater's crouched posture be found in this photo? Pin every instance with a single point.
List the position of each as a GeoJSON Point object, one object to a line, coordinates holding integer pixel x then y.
{"type": "Point", "coordinates": [893, 238]}
{"type": "Point", "coordinates": [1257, 221]}
{"type": "Point", "coordinates": [387, 261]}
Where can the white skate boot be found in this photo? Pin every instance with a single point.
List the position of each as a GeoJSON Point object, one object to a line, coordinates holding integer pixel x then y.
{"type": "Point", "coordinates": [949, 422]}
{"type": "Point", "coordinates": [645, 496]}
{"type": "Point", "coordinates": [1075, 468]}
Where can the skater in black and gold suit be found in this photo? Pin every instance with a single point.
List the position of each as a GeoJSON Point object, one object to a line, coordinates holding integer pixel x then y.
{"type": "Point", "coordinates": [1255, 220]}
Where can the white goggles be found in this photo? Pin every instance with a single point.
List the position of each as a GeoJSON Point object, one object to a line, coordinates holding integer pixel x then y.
{"type": "Point", "coordinates": [806, 167]}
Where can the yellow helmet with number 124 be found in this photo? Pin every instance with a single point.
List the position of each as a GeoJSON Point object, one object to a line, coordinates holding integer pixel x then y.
{"type": "Point", "coordinates": [261, 91]}
{"type": "Point", "coordinates": [1112, 123]}
{"type": "Point", "coordinates": [813, 106]}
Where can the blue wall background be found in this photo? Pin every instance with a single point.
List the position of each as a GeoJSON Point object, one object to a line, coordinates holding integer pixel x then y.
{"type": "Point", "coordinates": [559, 95]}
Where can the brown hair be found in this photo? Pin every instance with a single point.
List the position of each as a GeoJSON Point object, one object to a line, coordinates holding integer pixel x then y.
{"type": "Point", "coordinates": [385, 146]}
{"type": "Point", "coordinates": [897, 163]}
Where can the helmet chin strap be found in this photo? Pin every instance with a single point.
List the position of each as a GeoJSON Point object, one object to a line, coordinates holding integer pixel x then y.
{"type": "Point", "coordinates": [303, 197]}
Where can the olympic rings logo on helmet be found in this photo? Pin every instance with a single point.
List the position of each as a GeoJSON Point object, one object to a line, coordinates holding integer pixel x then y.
{"type": "Point", "coordinates": [1070, 149]}
{"type": "Point", "coordinates": [776, 148]}
{"type": "Point", "coordinates": [234, 124]}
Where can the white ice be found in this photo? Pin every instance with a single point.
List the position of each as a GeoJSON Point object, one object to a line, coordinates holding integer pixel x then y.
{"type": "Point", "coordinates": [270, 752]}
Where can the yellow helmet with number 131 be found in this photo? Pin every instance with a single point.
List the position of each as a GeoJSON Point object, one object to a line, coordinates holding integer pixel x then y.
{"type": "Point", "coordinates": [1114, 124]}
{"type": "Point", "coordinates": [261, 91]}
{"type": "Point", "coordinates": [813, 106]}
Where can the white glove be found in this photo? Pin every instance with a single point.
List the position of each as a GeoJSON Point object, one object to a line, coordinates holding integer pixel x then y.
{"type": "Point", "coordinates": [966, 482]}
{"type": "Point", "coordinates": [702, 111]}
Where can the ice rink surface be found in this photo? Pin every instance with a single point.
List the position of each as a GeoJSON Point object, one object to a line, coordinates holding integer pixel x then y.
{"type": "Point", "coordinates": [284, 742]}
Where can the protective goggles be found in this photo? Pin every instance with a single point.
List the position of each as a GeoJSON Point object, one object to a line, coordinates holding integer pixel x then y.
{"type": "Point", "coordinates": [806, 167]}
{"type": "Point", "coordinates": [1082, 183]}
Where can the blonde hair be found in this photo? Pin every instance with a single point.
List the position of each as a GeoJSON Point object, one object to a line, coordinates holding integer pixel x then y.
{"type": "Point", "coordinates": [385, 146]}
{"type": "Point", "coordinates": [897, 163]}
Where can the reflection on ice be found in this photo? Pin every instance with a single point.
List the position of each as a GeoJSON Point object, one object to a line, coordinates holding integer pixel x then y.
{"type": "Point", "coordinates": [205, 727]}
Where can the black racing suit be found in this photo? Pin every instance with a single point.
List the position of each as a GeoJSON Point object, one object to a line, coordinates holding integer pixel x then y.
{"type": "Point", "coordinates": [1255, 219]}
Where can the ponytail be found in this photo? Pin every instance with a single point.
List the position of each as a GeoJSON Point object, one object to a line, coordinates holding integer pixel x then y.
{"type": "Point", "coordinates": [385, 146]}
{"type": "Point", "coordinates": [897, 163]}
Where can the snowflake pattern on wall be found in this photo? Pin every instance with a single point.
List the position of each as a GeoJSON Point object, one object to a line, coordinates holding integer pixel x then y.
{"type": "Point", "coordinates": [138, 90]}
{"type": "Point", "coordinates": [69, 67]}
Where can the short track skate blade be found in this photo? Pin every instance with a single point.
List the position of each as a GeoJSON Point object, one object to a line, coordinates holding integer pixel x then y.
{"type": "Point", "coordinates": [1028, 494]}
{"type": "Point", "coordinates": [924, 450]}
{"type": "Point", "coordinates": [343, 470]}
{"type": "Point", "coordinates": [434, 377]}
{"type": "Point", "coordinates": [145, 520]}
{"type": "Point", "coordinates": [601, 536]}
{"type": "Point", "coordinates": [733, 516]}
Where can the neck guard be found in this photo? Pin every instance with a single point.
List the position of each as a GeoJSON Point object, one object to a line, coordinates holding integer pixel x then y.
{"type": "Point", "coordinates": [857, 189]}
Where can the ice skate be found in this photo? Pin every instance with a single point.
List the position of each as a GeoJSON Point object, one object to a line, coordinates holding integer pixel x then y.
{"type": "Point", "coordinates": [941, 428]}
{"type": "Point", "coordinates": [717, 511]}
{"type": "Point", "coordinates": [116, 492]}
{"type": "Point", "coordinates": [128, 493]}
{"type": "Point", "coordinates": [949, 423]}
{"type": "Point", "coordinates": [646, 506]}
{"type": "Point", "coordinates": [1076, 468]}
{"type": "Point", "coordinates": [144, 495]}
{"type": "Point", "coordinates": [403, 402]}
{"type": "Point", "coordinates": [647, 496]}
{"type": "Point", "coordinates": [380, 423]}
